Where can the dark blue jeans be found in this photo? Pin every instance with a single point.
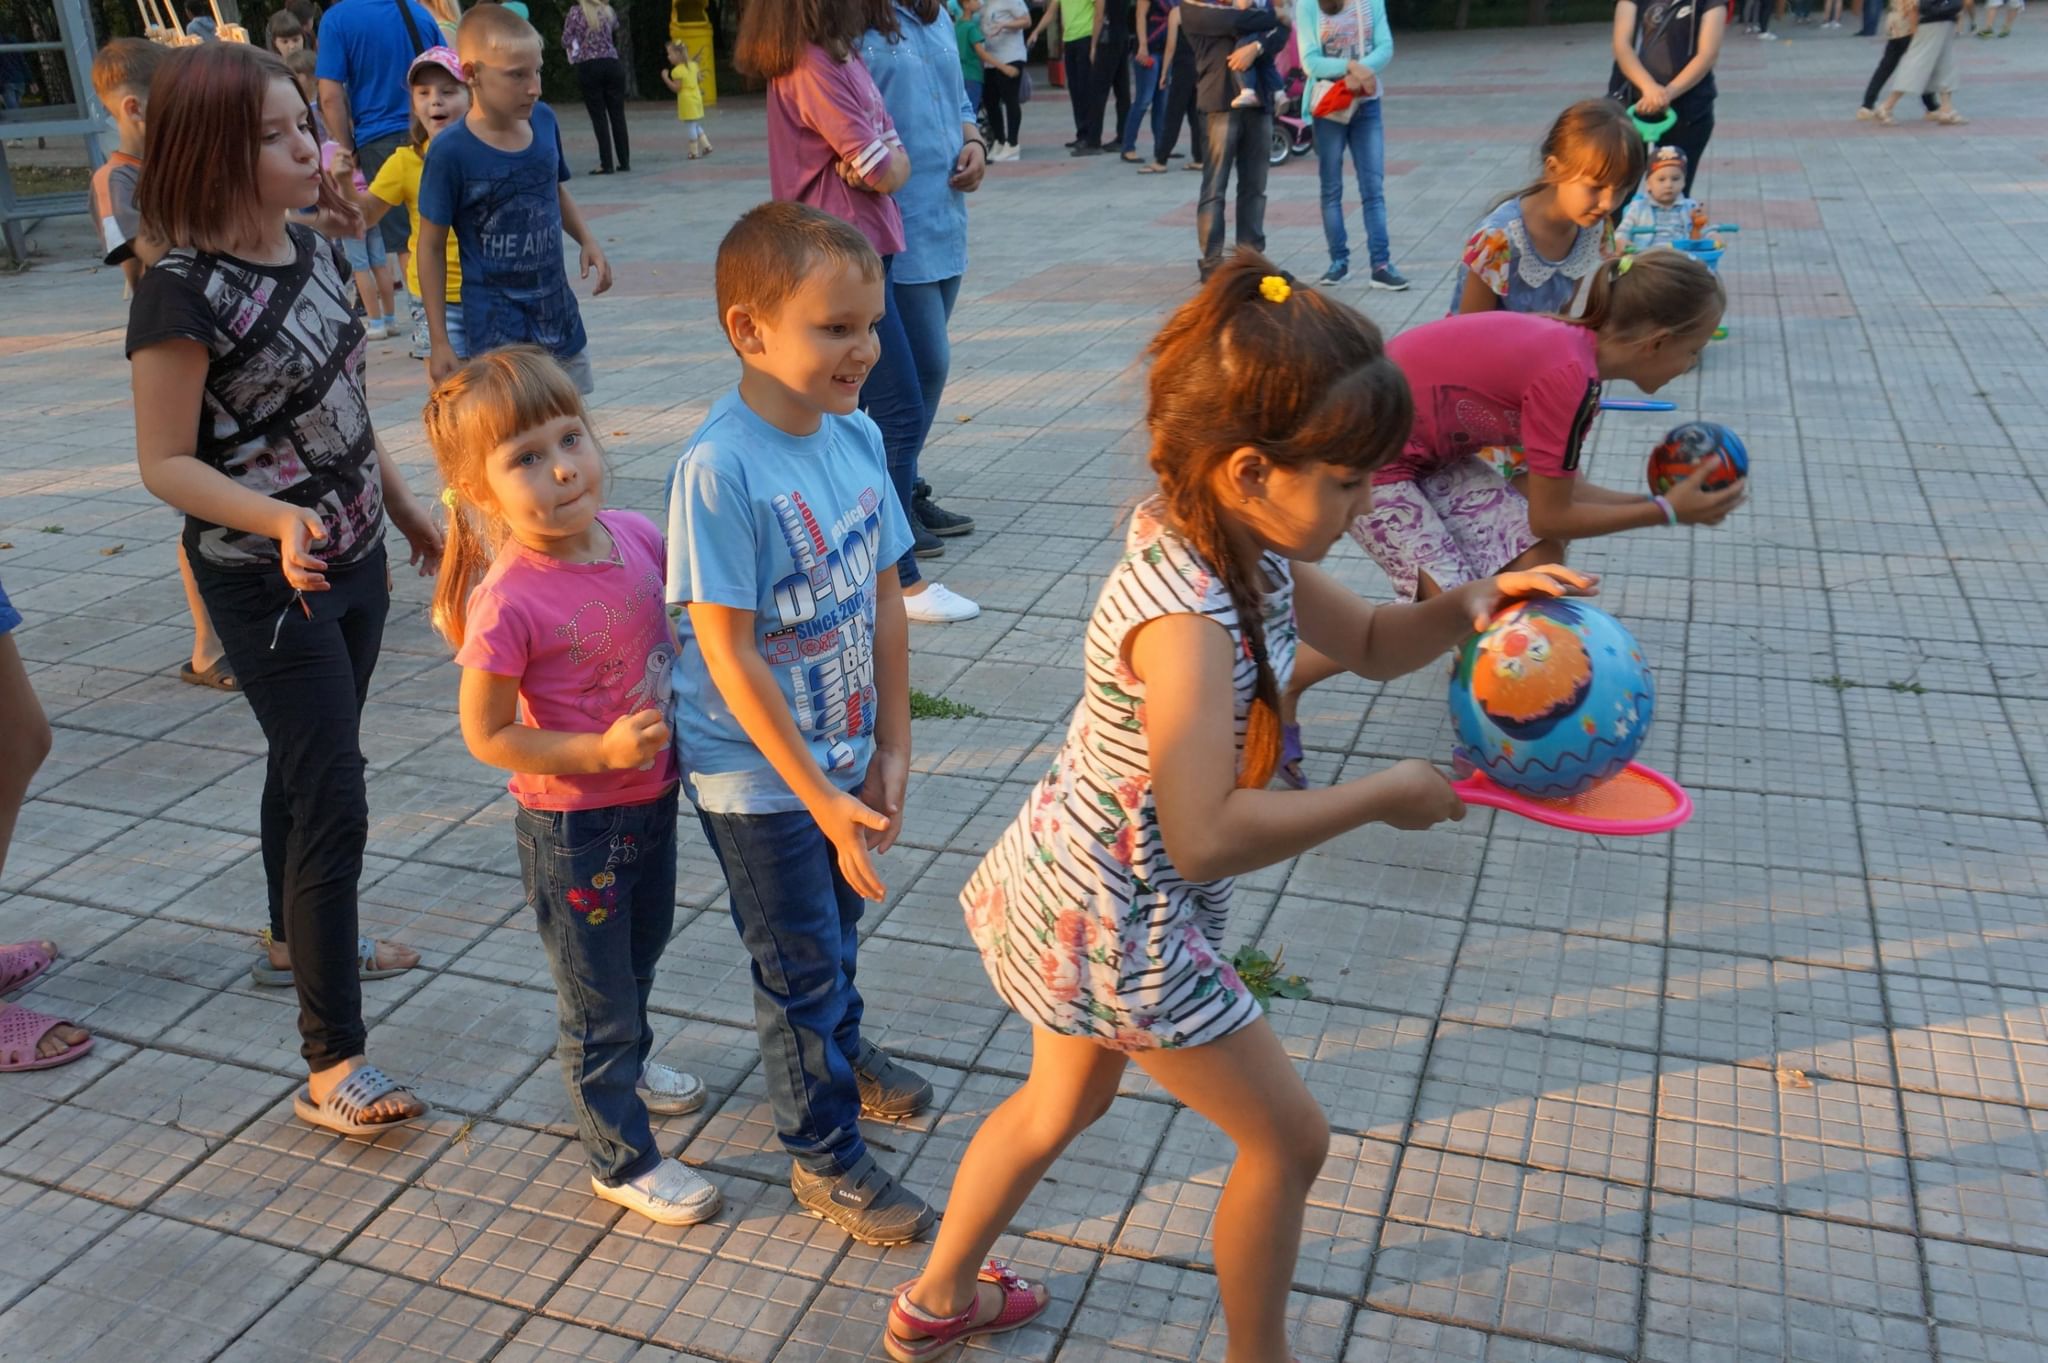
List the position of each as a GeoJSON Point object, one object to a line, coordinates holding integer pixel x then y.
{"type": "Point", "coordinates": [1364, 137]}
{"type": "Point", "coordinates": [893, 397]}
{"type": "Point", "coordinates": [1238, 141]}
{"type": "Point", "coordinates": [602, 884]}
{"type": "Point", "coordinates": [799, 920]}
{"type": "Point", "coordinates": [926, 309]}
{"type": "Point", "coordinates": [1148, 96]}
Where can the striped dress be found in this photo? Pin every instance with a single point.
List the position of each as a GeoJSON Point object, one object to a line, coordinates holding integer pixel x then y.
{"type": "Point", "coordinates": [1083, 923]}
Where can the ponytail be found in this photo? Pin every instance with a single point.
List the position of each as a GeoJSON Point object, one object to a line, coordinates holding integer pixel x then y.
{"type": "Point", "coordinates": [1658, 290]}
{"type": "Point", "coordinates": [465, 558]}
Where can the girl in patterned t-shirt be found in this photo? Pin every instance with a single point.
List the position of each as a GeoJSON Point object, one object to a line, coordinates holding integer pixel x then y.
{"type": "Point", "coordinates": [1100, 914]}
{"type": "Point", "coordinates": [250, 417]}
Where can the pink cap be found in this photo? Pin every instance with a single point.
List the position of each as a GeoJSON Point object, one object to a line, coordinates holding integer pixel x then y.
{"type": "Point", "coordinates": [442, 56]}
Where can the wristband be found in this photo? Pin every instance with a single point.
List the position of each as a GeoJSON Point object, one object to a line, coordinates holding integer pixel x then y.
{"type": "Point", "coordinates": [1664, 505]}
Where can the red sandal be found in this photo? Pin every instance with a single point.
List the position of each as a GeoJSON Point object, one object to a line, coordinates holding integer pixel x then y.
{"type": "Point", "coordinates": [1022, 1303]}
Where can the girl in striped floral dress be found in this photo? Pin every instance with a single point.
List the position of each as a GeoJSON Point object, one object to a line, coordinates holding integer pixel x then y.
{"type": "Point", "coordinates": [1100, 914]}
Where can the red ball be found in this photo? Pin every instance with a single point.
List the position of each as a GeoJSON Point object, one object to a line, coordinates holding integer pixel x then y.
{"type": "Point", "coordinates": [1684, 448]}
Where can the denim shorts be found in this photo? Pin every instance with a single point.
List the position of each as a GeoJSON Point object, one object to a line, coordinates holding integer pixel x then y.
{"type": "Point", "coordinates": [365, 252]}
{"type": "Point", "coordinates": [10, 618]}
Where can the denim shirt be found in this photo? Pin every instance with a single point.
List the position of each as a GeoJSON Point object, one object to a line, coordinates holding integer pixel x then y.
{"type": "Point", "coordinates": [919, 77]}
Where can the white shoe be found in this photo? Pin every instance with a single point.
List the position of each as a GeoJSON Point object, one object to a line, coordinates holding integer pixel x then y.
{"type": "Point", "coordinates": [669, 1194]}
{"type": "Point", "coordinates": [935, 605]}
{"type": "Point", "coordinates": [1768, 37]}
{"type": "Point", "coordinates": [669, 1092]}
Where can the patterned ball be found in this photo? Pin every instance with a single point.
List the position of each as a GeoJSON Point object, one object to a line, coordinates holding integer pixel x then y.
{"type": "Point", "coordinates": [1551, 699]}
{"type": "Point", "coordinates": [1685, 448]}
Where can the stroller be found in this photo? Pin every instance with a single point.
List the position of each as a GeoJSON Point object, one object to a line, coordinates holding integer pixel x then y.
{"type": "Point", "coordinates": [1293, 125]}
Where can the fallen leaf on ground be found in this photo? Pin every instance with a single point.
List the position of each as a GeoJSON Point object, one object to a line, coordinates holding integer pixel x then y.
{"type": "Point", "coordinates": [1789, 1078]}
{"type": "Point", "coordinates": [112, 550]}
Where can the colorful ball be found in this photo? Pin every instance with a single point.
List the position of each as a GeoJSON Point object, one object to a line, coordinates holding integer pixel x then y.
{"type": "Point", "coordinates": [1551, 699]}
{"type": "Point", "coordinates": [1685, 448]}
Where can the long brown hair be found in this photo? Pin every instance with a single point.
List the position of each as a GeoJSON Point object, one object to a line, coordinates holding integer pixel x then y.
{"type": "Point", "coordinates": [1594, 140]}
{"type": "Point", "coordinates": [1255, 359]}
{"type": "Point", "coordinates": [774, 33]}
{"type": "Point", "coordinates": [198, 183]}
{"type": "Point", "coordinates": [488, 401]}
{"type": "Point", "coordinates": [1661, 290]}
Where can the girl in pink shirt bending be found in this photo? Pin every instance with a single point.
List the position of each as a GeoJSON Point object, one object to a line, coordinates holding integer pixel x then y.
{"type": "Point", "coordinates": [1527, 384]}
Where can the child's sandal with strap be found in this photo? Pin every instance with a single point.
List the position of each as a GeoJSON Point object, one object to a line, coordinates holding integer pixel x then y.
{"type": "Point", "coordinates": [929, 1336]}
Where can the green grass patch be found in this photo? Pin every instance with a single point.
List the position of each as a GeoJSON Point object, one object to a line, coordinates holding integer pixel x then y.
{"type": "Point", "coordinates": [1264, 975]}
{"type": "Point", "coordinates": [50, 179]}
{"type": "Point", "coordinates": [926, 706]}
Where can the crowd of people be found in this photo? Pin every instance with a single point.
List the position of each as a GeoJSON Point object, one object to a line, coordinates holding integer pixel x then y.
{"type": "Point", "coordinates": [747, 645]}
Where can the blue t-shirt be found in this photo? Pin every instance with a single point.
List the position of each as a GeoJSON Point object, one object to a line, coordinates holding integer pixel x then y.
{"type": "Point", "coordinates": [364, 45]}
{"type": "Point", "coordinates": [793, 529]}
{"type": "Point", "coordinates": [506, 213]}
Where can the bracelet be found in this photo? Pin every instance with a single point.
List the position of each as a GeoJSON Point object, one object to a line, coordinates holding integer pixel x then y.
{"type": "Point", "coordinates": [1664, 505]}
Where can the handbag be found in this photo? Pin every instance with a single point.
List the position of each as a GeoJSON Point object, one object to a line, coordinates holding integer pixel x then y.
{"type": "Point", "coordinates": [1024, 86]}
{"type": "Point", "coordinates": [1939, 11]}
{"type": "Point", "coordinates": [1333, 99]}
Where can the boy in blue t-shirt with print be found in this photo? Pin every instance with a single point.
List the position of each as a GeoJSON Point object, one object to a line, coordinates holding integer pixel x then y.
{"type": "Point", "coordinates": [792, 685]}
{"type": "Point", "coordinates": [497, 179]}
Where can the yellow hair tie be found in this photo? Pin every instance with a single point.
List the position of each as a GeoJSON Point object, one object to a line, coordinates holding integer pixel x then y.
{"type": "Point", "coordinates": [448, 498]}
{"type": "Point", "coordinates": [1627, 260]}
{"type": "Point", "coordinates": [1275, 289]}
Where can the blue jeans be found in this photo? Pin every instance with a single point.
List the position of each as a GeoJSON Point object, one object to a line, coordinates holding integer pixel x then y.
{"type": "Point", "coordinates": [973, 93]}
{"type": "Point", "coordinates": [602, 884]}
{"type": "Point", "coordinates": [894, 399]}
{"type": "Point", "coordinates": [1365, 138]}
{"type": "Point", "coordinates": [926, 309]}
{"type": "Point", "coordinates": [799, 920]}
{"type": "Point", "coordinates": [1148, 96]}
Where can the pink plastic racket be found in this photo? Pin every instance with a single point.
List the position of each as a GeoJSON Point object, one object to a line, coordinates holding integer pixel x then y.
{"type": "Point", "coordinates": [1633, 803]}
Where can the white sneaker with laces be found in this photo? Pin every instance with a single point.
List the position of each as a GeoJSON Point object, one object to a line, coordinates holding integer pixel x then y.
{"type": "Point", "coordinates": [669, 1194]}
{"type": "Point", "coordinates": [669, 1092]}
{"type": "Point", "coordinates": [936, 605]}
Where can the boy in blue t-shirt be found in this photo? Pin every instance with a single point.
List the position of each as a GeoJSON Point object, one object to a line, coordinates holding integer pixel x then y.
{"type": "Point", "coordinates": [497, 179]}
{"type": "Point", "coordinates": [792, 685]}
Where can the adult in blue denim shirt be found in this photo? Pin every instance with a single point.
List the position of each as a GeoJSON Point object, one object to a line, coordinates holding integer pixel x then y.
{"type": "Point", "coordinates": [910, 51]}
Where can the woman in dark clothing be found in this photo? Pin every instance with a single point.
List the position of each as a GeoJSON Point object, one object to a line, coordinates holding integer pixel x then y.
{"type": "Point", "coordinates": [590, 37]}
{"type": "Point", "coordinates": [1664, 55]}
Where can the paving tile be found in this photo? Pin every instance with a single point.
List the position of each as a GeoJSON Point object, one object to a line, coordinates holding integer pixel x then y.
{"type": "Point", "coordinates": [465, 1044]}
{"type": "Point", "coordinates": [1138, 1310]}
{"type": "Point", "coordinates": [649, 1286]}
{"type": "Point", "coordinates": [1362, 1065]}
{"type": "Point", "coordinates": [1776, 1014]}
{"type": "Point", "coordinates": [1591, 988]}
{"type": "Point", "coordinates": [1994, 1291]}
{"type": "Point", "coordinates": [145, 867]}
{"type": "Point", "coordinates": [346, 1313]}
{"type": "Point", "coordinates": [1690, 1321]}
{"type": "Point", "coordinates": [1383, 959]}
{"type": "Point", "coordinates": [1574, 884]}
{"type": "Point", "coordinates": [45, 1228]}
{"type": "Point", "coordinates": [1856, 1267]}
{"type": "Point", "coordinates": [1971, 1040]}
{"type": "Point", "coordinates": [1491, 1284]}
{"type": "Point", "coordinates": [554, 1341]}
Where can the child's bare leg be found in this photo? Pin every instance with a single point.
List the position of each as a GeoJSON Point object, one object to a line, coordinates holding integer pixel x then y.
{"type": "Point", "coordinates": [28, 739]}
{"type": "Point", "coordinates": [1248, 1086]}
{"type": "Point", "coordinates": [366, 289]}
{"type": "Point", "coordinates": [386, 290]}
{"type": "Point", "coordinates": [206, 649]}
{"type": "Point", "coordinates": [1073, 1081]}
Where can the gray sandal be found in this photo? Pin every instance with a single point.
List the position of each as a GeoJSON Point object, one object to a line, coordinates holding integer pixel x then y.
{"type": "Point", "coordinates": [270, 977]}
{"type": "Point", "coordinates": [352, 1097]}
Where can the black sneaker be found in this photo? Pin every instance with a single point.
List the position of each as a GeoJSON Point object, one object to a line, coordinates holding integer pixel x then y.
{"type": "Point", "coordinates": [1388, 278]}
{"type": "Point", "coordinates": [925, 544]}
{"type": "Point", "coordinates": [866, 1202]}
{"type": "Point", "coordinates": [1071, 145]}
{"type": "Point", "coordinates": [1085, 150]}
{"type": "Point", "coordinates": [1339, 270]}
{"type": "Point", "coordinates": [933, 517]}
{"type": "Point", "coordinates": [888, 1090]}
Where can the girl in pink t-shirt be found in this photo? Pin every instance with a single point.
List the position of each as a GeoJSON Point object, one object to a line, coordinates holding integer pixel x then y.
{"type": "Point", "coordinates": [1443, 514]}
{"type": "Point", "coordinates": [556, 610]}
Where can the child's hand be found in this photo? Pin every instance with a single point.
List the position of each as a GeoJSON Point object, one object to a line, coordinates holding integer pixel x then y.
{"type": "Point", "coordinates": [1417, 795]}
{"type": "Point", "coordinates": [343, 166]}
{"type": "Point", "coordinates": [592, 258]}
{"type": "Point", "coordinates": [1485, 598]}
{"type": "Point", "coordinates": [441, 362]}
{"type": "Point", "coordinates": [847, 821]}
{"type": "Point", "coordinates": [296, 532]}
{"type": "Point", "coordinates": [1653, 101]}
{"type": "Point", "coordinates": [422, 536]}
{"type": "Point", "coordinates": [888, 772]}
{"type": "Point", "coordinates": [633, 741]}
{"type": "Point", "coordinates": [1694, 505]}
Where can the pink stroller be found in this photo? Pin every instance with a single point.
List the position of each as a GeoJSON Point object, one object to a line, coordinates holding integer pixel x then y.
{"type": "Point", "coordinates": [1293, 126]}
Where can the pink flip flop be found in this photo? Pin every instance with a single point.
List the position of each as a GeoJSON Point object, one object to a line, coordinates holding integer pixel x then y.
{"type": "Point", "coordinates": [21, 1031]}
{"type": "Point", "coordinates": [936, 1334]}
{"type": "Point", "coordinates": [22, 962]}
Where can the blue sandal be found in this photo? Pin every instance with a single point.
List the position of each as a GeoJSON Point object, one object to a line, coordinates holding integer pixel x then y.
{"type": "Point", "coordinates": [1290, 769]}
{"type": "Point", "coordinates": [352, 1097]}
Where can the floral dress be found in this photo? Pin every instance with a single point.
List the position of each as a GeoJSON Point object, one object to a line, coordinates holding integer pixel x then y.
{"type": "Point", "coordinates": [1083, 923]}
{"type": "Point", "coordinates": [1500, 253]}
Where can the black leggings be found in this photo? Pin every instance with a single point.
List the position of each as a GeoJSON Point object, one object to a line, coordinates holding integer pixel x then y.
{"type": "Point", "coordinates": [603, 81]}
{"type": "Point", "coordinates": [306, 676]}
{"type": "Point", "coordinates": [1180, 98]}
{"type": "Point", "coordinates": [999, 95]}
{"type": "Point", "coordinates": [1888, 62]}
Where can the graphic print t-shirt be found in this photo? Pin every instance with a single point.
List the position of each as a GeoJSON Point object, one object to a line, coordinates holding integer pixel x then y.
{"type": "Point", "coordinates": [793, 529]}
{"type": "Point", "coordinates": [506, 212]}
{"type": "Point", "coordinates": [113, 205]}
{"type": "Point", "coordinates": [589, 642]}
{"type": "Point", "coordinates": [283, 413]}
{"type": "Point", "coordinates": [1667, 39]}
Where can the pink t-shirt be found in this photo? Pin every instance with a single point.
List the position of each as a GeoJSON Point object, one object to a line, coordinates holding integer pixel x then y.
{"type": "Point", "coordinates": [823, 112]}
{"type": "Point", "coordinates": [589, 642]}
{"type": "Point", "coordinates": [1484, 379]}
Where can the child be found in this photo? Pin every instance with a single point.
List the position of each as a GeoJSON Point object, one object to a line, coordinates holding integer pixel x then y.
{"type": "Point", "coordinates": [365, 252]}
{"type": "Point", "coordinates": [576, 715]}
{"type": "Point", "coordinates": [1661, 212]}
{"type": "Point", "coordinates": [1540, 244]}
{"type": "Point", "coordinates": [1245, 82]}
{"type": "Point", "coordinates": [686, 79]}
{"type": "Point", "coordinates": [972, 42]}
{"type": "Point", "coordinates": [1101, 913]}
{"type": "Point", "coordinates": [440, 99]}
{"type": "Point", "coordinates": [302, 64]}
{"type": "Point", "coordinates": [496, 179]}
{"type": "Point", "coordinates": [251, 418]}
{"type": "Point", "coordinates": [199, 21]}
{"type": "Point", "coordinates": [793, 685]}
{"type": "Point", "coordinates": [285, 34]}
{"type": "Point", "coordinates": [121, 73]}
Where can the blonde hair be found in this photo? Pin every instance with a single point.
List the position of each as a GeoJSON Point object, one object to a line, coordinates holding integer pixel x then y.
{"type": "Point", "coordinates": [1630, 297]}
{"type": "Point", "coordinates": [487, 26]}
{"type": "Point", "coordinates": [488, 401]}
{"type": "Point", "coordinates": [596, 11]}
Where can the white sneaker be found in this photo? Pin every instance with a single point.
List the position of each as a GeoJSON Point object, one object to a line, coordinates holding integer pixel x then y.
{"type": "Point", "coordinates": [669, 1194]}
{"type": "Point", "coordinates": [1768, 37]}
{"type": "Point", "coordinates": [669, 1092]}
{"type": "Point", "coordinates": [935, 605]}
{"type": "Point", "coordinates": [1011, 151]}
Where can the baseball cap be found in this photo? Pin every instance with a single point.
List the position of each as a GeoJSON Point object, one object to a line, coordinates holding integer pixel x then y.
{"type": "Point", "coordinates": [442, 56]}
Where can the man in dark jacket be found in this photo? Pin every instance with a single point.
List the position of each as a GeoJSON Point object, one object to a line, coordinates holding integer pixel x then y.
{"type": "Point", "coordinates": [1226, 40]}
